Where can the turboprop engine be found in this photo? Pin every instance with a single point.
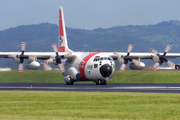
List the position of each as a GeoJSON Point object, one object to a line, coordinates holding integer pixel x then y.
{"type": "Point", "coordinates": [141, 66]}
{"type": "Point", "coordinates": [32, 65]}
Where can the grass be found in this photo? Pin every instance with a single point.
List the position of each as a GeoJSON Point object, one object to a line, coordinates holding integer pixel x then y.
{"type": "Point", "coordinates": [125, 77]}
{"type": "Point", "coordinates": [45, 105]}
{"type": "Point", "coordinates": [146, 77]}
{"type": "Point", "coordinates": [56, 105]}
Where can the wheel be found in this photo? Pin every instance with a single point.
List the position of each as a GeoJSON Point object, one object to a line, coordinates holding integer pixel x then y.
{"type": "Point", "coordinates": [104, 82]}
{"type": "Point", "coordinates": [71, 82]}
{"type": "Point", "coordinates": [98, 82]}
{"type": "Point", "coordinates": [67, 83]}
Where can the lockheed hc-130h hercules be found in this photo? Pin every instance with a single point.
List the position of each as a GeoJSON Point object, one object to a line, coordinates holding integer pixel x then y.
{"type": "Point", "coordinates": [98, 67]}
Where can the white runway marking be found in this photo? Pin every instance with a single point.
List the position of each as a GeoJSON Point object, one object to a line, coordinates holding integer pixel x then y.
{"type": "Point", "coordinates": [66, 88]}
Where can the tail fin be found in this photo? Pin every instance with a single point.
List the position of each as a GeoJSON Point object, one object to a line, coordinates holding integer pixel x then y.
{"type": "Point", "coordinates": [62, 45]}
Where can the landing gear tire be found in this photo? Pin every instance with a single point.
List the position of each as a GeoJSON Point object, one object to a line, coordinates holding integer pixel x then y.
{"type": "Point", "coordinates": [67, 83]}
{"type": "Point", "coordinates": [104, 82]}
{"type": "Point", "coordinates": [70, 83]}
{"type": "Point", "coordinates": [98, 82]}
{"type": "Point", "coordinates": [101, 82]}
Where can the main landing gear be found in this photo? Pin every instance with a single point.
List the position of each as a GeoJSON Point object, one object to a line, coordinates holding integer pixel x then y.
{"type": "Point", "coordinates": [100, 82]}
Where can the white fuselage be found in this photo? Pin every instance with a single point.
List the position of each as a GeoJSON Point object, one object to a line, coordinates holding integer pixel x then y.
{"type": "Point", "coordinates": [89, 67]}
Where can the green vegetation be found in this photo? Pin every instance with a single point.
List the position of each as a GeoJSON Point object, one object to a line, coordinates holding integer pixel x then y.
{"type": "Point", "coordinates": [125, 77]}
{"type": "Point", "coordinates": [146, 77]}
{"type": "Point", "coordinates": [31, 76]}
{"type": "Point", "coordinates": [49, 105]}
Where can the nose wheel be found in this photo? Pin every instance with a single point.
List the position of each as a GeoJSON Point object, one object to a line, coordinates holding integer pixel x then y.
{"type": "Point", "coordinates": [101, 82]}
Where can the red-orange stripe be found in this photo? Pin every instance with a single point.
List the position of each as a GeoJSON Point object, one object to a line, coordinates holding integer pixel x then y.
{"type": "Point", "coordinates": [83, 63]}
{"type": "Point", "coordinates": [60, 24]}
{"type": "Point", "coordinates": [62, 49]}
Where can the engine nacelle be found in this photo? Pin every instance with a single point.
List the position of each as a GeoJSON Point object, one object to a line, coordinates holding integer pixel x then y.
{"type": "Point", "coordinates": [32, 65]}
{"type": "Point", "coordinates": [137, 67]}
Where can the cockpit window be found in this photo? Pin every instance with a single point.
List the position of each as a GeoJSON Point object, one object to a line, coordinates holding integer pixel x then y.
{"type": "Point", "coordinates": [96, 58]}
{"type": "Point", "coordinates": [105, 58]}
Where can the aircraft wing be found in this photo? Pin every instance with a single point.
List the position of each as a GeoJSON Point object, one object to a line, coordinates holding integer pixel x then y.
{"type": "Point", "coordinates": [142, 55]}
{"type": "Point", "coordinates": [38, 55]}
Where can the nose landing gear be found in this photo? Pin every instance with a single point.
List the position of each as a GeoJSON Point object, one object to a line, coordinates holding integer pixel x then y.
{"type": "Point", "coordinates": [100, 82]}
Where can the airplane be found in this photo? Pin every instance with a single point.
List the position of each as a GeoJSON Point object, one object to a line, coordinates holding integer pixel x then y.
{"type": "Point", "coordinates": [98, 67]}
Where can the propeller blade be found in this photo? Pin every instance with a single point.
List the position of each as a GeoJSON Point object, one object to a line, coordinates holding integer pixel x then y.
{"type": "Point", "coordinates": [55, 48]}
{"type": "Point", "coordinates": [49, 61]}
{"type": "Point", "coordinates": [136, 62]}
{"type": "Point", "coordinates": [156, 65]}
{"type": "Point", "coordinates": [130, 47]}
{"type": "Point", "coordinates": [122, 68]}
{"type": "Point", "coordinates": [119, 57]}
{"type": "Point", "coordinates": [171, 64]}
{"type": "Point", "coordinates": [46, 67]}
{"type": "Point", "coordinates": [153, 51]}
{"type": "Point", "coordinates": [23, 46]}
{"type": "Point", "coordinates": [168, 47]}
{"type": "Point", "coordinates": [20, 69]}
{"type": "Point", "coordinates": [61, 68]}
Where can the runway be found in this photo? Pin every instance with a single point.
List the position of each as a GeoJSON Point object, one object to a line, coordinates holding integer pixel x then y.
{"type": "Point", "coordinates": [91, 87]}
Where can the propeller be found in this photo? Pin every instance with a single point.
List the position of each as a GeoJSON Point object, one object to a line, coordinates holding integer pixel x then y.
{"type": "Point", "coordinates": [57, 59]}
{"type": "Point", "coordinates": [21, 57]}
{"type": "Point", "coordinates": [161, 58]}
{"type": "Point", "coordinates": [124, 59]}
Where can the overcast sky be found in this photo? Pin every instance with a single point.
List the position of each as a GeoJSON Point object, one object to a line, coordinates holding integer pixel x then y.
{"type": "Point", "coordinates": [88, 14]}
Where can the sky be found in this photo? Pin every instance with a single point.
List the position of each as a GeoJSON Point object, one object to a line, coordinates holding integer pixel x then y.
{"type": "Point", "coordinates": [88, 14]}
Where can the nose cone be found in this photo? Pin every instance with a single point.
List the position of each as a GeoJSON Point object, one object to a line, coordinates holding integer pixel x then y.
{"type": "Point", "coordinates": [106, 70]}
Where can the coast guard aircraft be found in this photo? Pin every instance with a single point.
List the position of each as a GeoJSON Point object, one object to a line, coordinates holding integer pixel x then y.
{"type": "Point", "coordinates": [98, 67]}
